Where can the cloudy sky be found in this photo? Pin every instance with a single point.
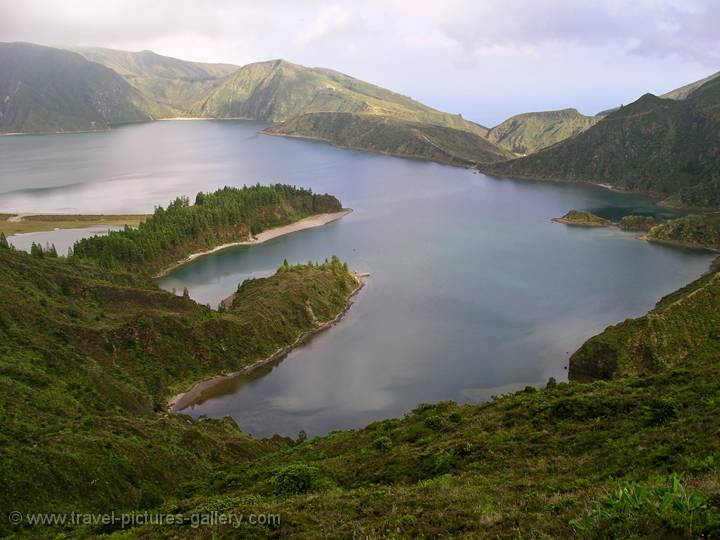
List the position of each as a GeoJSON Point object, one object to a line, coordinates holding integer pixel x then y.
{"type": "Point", "coordinates": [487, 59]}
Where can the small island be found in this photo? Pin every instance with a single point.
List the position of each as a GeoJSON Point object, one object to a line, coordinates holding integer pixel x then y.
{"type": "Point", "coordinates": [579, 218]}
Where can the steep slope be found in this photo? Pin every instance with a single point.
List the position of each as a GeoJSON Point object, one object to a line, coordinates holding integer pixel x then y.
{"type": "Point", "coordinates": [177, 83]}
{"type": "Point", "coordinates": [277, 90]}
{"type": "Point", "coordinates": [678, 94]}
{"type": "Point", "coordinates": [89, 357]}
{"type": "Point", "coordinates": [44, 89]}
{"type": "Point", "coordinates": [666, 148]}
{"type": "Point", "coordinates": [527, 133]}
{"type": "Point", "coordinates": [390, 135]}
{"type": "Point", "coordinates": [682, 326]}
{"type": "Point", "coordinates": [684, 91]}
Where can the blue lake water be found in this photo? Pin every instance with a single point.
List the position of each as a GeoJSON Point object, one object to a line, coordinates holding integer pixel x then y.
{"type": "Point", "coordinates": [473, 291]}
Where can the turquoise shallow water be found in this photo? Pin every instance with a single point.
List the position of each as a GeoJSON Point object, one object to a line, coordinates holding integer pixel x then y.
{"type": "Point", "coordinates": [473, 291]}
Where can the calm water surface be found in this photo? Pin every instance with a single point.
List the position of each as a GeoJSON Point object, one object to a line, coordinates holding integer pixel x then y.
{"type": "Point", "coordinates": [473, 292]}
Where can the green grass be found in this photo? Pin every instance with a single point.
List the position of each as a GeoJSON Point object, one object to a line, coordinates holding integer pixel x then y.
{"type": "Point", "coordinates": [88, 357]}
{"type": "Point", "coordinates": [527, 133]}
{"type": "Point", "coordinates": [49, 222]}
{"type": "Point", "coordinates": [535, 464]}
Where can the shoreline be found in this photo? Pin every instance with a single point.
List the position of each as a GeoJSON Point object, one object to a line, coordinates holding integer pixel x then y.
{"type": "Point", "coordinates": [678, 243]}
{"type": "Point", "coordinates": [31, 222]}
{"type": "Point", "coordinates": [310, 222]}
{"type": "Point", "coordinates": [181, 401]}
{"type": "Point", "coordinates": [570, 223]}
{"type": "Point", "coordinates": [458, 164]}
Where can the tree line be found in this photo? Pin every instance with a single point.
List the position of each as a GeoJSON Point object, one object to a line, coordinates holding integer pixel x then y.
{"type": "Point", "coordinates": [227, 215]}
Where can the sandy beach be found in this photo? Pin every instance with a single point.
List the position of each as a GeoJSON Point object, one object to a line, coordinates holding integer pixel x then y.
{"type": "Point", "coordinates": [184, 399]}
{"type": "Point", "coordinates": [310, 222]}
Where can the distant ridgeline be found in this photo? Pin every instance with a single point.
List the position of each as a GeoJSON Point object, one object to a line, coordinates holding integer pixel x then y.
{"type": "Point", "coordinates": [664, 147]}
{"type": "Point", "coordinates": [226, 216]}
{"type": "Point", "coordinates": [661, 146]}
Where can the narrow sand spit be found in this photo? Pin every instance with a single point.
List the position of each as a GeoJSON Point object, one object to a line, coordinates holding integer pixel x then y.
{"type": "Point", "coordinates": [310, 222]}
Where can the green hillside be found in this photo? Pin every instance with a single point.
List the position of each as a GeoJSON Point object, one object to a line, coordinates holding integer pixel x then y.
{"type": "Point", "coordinates": [144, 85]}
{"type": "Point", "coordinates": [390, 135]}
{"type": "Point", "coordinates": [527, 133]}
{"type": "Point", "coordinates": [696, 230]}
{"type": "Point", "coordinates": [176, 83]}
{"type": "Point", "coordinates": [666, 148]}
{"type": "Point", "coordinates": [682, 327]}
{"type": "Point", "coordinates": [88, 357]}
{"type": "Point", "coordinates": [678, 94]}
{"type": "Point", "coordinates": [45, 89]}
{"type": "Point", "coordinates": [684, 91]}
{"type": "Point", "coordinates": [277, 90]}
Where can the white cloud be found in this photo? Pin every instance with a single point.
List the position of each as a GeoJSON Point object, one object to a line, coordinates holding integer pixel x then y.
{"type": "Point", "coordinates": [332, 20]}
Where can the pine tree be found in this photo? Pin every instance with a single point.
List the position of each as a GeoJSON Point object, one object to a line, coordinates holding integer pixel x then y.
{"type": "Point", "coordinates": [3, 241]}
{"type": "Point", "coordinates": [186, 293]}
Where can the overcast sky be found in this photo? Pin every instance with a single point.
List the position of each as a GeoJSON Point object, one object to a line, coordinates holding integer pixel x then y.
{"type": "Point", "coordinates": [486, 59]}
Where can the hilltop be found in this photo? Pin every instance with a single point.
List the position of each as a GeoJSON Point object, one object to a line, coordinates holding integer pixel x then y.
{"type": "Point", "coordinates": [174, 82]}
{"type": "Point", "coordinates": [666, 148]}
{"type": "Point", "coordinates": [93, 88]}
{"type": "Point", "coordinates": [277, 90]}
{"type": "Point", "coordinates": [529, 132]}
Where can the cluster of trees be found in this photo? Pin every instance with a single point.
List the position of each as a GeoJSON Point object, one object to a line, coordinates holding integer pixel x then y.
{"type": "Point", "coordinates": [334, 264]}
{"type": "Point", "coordinates": [227, 215]}
{"type": "Point", "coordinates": [37, 250]}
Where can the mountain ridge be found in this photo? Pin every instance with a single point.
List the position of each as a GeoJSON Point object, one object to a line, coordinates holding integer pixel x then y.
{"type": "Point", "coordinates": [665, 148]}
{"type": "Point", "coordinates": [46, 89]}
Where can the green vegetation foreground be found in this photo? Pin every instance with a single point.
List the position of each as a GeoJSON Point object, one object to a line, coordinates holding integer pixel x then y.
{"type": "Point", "coordinates": [89, 356]}
{"type": "Point", "coordinates": [88, 359]}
